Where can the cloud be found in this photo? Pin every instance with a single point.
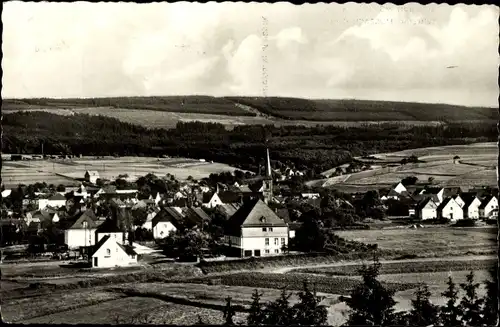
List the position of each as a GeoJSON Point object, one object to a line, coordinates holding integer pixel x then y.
{"type": "Point", "coordinates": [312, 51]}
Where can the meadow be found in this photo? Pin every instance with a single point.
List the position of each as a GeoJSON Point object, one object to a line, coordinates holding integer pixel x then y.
{"type": "Point", "coordinates": [69, 171]}
{"type": "Point", "coordinates": [430, 241]}
{"type": "Point", "coordinates": [476, 167]}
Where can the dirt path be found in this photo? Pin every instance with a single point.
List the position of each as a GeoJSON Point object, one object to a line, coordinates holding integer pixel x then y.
{"type": "Point", "coordinates": [283, 270]}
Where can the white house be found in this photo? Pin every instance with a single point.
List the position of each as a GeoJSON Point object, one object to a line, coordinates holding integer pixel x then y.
{"type": "Point", "coordinates": [56, 201]}
{"type": "Point", "coordinates": [167, 220]}
{"type": "Point", "coordinates": [450, 209]}
{"type": "Point", "coordinates": [91, 176]}
{"type": "Point", "coordinates": [108, 253]}
{"type": "Point", "coordinates": [458, 199]}
{"type": "Point", "coordinates": [211, 200]}
{"type": "Point", "coordinates": [310, 195]}
{"type": "Point", "coordinates": [6, 193]}
{"type": "Point", "coordinates": [81, 233]}
{"type": "Point", "coordinates": [82, 191]}
{"type": "Point", "coordinates": [439, 192]}
{"type": "Point", "coordinates": [488, 206]}
{"type": "Point", "coordinates": [256, 230]}
{"type": "Point", "coordinates": [471, 208]}
{"type": "Point", "coordinates": [427, 209]}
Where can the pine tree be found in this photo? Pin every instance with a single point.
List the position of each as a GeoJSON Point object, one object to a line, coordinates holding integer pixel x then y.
{"type": "Point", "coordinates": [279, 312]}
{"type": "Point", "coordinates": [450, 313]}
{"type": "Point", "coordinates": [255, 316]}
{"type": "Point", "coordinates": [490, 308]}
{"type": "Point", "coordinates": [423, 313]}
{"type": "Point", "coordinates": [371, 303]}
{"type": "Point", "coordinates": [228, 312]}
{"type": "Point", "coordinates": [471, 304]}
{"type": "Point", "coordinates": [308, 311]}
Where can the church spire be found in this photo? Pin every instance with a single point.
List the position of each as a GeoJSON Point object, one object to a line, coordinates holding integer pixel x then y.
{"type": "Point", "coordinates": [268, 180]}
{"type": "Point", "coordinates": [268, 165]}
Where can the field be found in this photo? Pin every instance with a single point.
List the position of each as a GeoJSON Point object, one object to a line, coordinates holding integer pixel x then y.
{"type": "Point", "coordinates": [68, 171]}
{"type": "Point", "coordinates": [475, 168]}
{"type": "Point", "coordinates": [432, 241]}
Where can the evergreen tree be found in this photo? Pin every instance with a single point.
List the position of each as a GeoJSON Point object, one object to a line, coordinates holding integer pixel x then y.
{"type": "Point", "coordinates": [228, 312]}
{"type": "Point", "coordinates": [279, 312]}
{"type": "Point", "coordinates": [450, 313]}
{"type": "Point", "coordinates": [471, 304]}
{"type": "Point", "coordinates": [490, 308]}
{"type": "Point", "coordinates": [308, 311]}
{"type": "Point", "coordinates": [423, 313]}
{"type": "Point", "coordinates": [371, 303]}
{"type": "Point", "coordinates": [255, 316]}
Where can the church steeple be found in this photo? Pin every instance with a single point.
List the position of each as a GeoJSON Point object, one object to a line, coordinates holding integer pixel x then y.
{"type": "Point", "coordinates": [268, 180]}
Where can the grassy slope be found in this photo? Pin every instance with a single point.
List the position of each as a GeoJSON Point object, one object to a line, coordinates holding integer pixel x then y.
{"type": "Point", "coordinates": [277, 107]}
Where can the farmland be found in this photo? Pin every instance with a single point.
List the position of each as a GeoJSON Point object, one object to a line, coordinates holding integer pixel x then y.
{"type": "Point", "coordinates": [432, 241]}
{"type": "Point", "coordinates": [476, 167]}
{"type": "Point", "coordinates": [69, 171]}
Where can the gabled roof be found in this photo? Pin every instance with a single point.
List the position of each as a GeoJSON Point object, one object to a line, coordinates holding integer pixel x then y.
{"type": "Point", "coordinates": [168, 214]}
{"type": "Point", "coordinates": [253, 213]}
{"type": "Point", "coordinates": [127, 248]}
{"type": "Point", "coordinates": [424, 202]}
{"type": "Point", "coordinates": [245, 189]}
{"type": "Point", "coordinates": [99, 244]}
{"type": "Point", "coordinates": [284, 214]}
{"type": "Point", "coordinates": [92, 172]}
{"type": "Point", "coordinates": [450, 191]}
{"type": "Point", "coordinates": [432, 190]}
{"type": "Point", "coordinates": [195, 216]}
{"type": "Point", "coordinates": [228, 209]}
{"type": "Point", "coordinates": [78, 224]}
{"type": "Point", "coordinates": [206, 197]}
{"type": "Point", "coordinates": [230, 197]}
{"type": "Point", "coordinates": [485, 201]}
{"type": "Point", "coordinates": [445, 202]}
{"type": "Point", "coordinates": [468, 198]}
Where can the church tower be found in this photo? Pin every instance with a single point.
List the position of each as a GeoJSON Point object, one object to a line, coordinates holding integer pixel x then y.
{"type": "Point", "coordinates": [268, 180]}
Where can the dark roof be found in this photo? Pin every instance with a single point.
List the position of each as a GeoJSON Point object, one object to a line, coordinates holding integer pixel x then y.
{"type": "Point", "coordinates": [432, 190]}
{"type": "Point", "coordinates": [77, 223]}
{"type": "Point", "coordinates": [228, 209]}
{"type": "Point", "coordinates": [168, 214]}
{"type": "Point", "coordinates": [253, 213]}
{"type": "Point", "coordinates": [444, 203]}
{"type": "Point", "coordinates": [99, 244]}
{"type": "Point", "coordinates": [468, 198]}
{"type": "Point", "coordinates": [183, 202]}
{"type": "Point", "coordinates": [108, 226]}
{"type": "Point", "coordinates": [485, 201]}
{"type": "Point", "coordinates": [450, 191]}
{"type": "Point", "coordinates": [127, 248]}
{"type": "Point", "coordinates": [421, 204]}
{"type": "Point", "coordinates": [230, 197]}
{"type": "Point", "coordinates": [207, 197]}
{"type": "Point", "coordinates": [195, 216]}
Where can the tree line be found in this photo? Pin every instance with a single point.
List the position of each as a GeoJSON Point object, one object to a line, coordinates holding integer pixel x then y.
{"type": "Point", "coordinates": [313, 149]}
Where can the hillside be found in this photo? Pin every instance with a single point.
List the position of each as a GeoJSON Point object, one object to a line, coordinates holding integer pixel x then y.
{"type": "Point", "coordinates": [167, 111]}
{"type": "Point", "coordinates": [314, 149]}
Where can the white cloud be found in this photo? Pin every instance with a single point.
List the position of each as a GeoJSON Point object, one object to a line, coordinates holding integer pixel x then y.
{"type": "Point", "coordinates": [314, 50]}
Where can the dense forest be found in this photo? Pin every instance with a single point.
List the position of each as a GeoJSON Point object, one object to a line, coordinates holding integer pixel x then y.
{"type": "Point", "coordinates": [315, 149]}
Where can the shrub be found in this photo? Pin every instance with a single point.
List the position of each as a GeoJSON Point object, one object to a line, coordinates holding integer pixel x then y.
{"type": "Point", "coordinates": [465, 223]}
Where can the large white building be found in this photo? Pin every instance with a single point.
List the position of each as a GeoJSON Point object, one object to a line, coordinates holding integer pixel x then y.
{"type": "Point", "coordinates": [166, 221]}
{"type": "Point", "coordinates": [450, 209]}
{"type": "Point", "coordinates": [256, 230]}
{"type": "Point", "coordinates": [81, 233]}
{"type": "Point", "coordinates": [427, 209]}
{"type": "Point", "coordinates": [488, 207]}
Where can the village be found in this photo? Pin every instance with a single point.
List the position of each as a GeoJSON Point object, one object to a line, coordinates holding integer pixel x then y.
{"type": "Point", "coordinates": [111, 224]}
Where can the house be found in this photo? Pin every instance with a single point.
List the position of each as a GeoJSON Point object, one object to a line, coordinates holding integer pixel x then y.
{"type": "Point", "coordinates": [108, 253]}
{"type": "Point", "coordinates": [488, 207]}
{"type": "Point", "coordinates": [229, 209]}
{"type": "Point", "coordinates": [151, 213]}
{"type": "Point", "coordinates": [438, 191]}
{"type": "Point", "coordinates": [211, 200]}
{"type": "Point", "coordinates": [450, 209]}
{"type": "Point", "coordinates": [167, 220]}
{"type": "Point", "coordinates": [471, 206]}
{"type": "Point", "coordinates": [427, 209]}
{"type": "Point", "coordinates": [6, 193]}
{"type": "Point", "coordinates": [91, 176]}
{"type": "Point", "coordinates": [195, 217]}
{"type": "Point", "coordinates": [390, 195]}
{"type": "Point", "coordinates": [57, 200]}
{"type": "Point", "coordinates": [80, 232]}
{"type": "Point", "coordinates": [110, 228]}
{"type": "Point", "coordinates": [256, 230]}
{"type": "Point", "coordinates": [310, 195]}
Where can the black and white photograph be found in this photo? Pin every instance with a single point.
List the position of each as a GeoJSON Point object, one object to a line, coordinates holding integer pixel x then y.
{"type": "Point", "coordinates": [249, 164]}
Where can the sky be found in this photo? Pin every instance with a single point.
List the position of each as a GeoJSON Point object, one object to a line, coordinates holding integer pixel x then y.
{"type": "Point", "coordinates": [433, 53]}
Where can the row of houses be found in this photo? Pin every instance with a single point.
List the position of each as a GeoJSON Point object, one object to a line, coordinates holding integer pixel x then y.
{"type": "Point", "coordinates": [445, 202]}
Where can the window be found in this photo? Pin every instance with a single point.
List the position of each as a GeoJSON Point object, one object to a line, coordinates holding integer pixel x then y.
{"type": "Point", "coordinates": [267, 242]}
{"type": "Point", "coordinates": [84, 224]}
{"type": "Point", "coordinates": [282, 241]}
{"type": "Point", "coordinates": [277, 251]}
{"type": "Point", "coordinates": [267, 251]}
{"type": "Point", "coordinates": [276, 241]}
{"type": "Point", "coordinates": [108, 252]}
{"type": "Point", "coordinates": [264, 229]}
{"type": "Point", "coordinates": [270, 229]}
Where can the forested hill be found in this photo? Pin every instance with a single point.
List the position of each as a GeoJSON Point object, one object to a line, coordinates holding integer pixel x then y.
{"type": "Point", "coordinates": [273, 107]}
{"type": "Point", "coordinates": [315, 149]}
